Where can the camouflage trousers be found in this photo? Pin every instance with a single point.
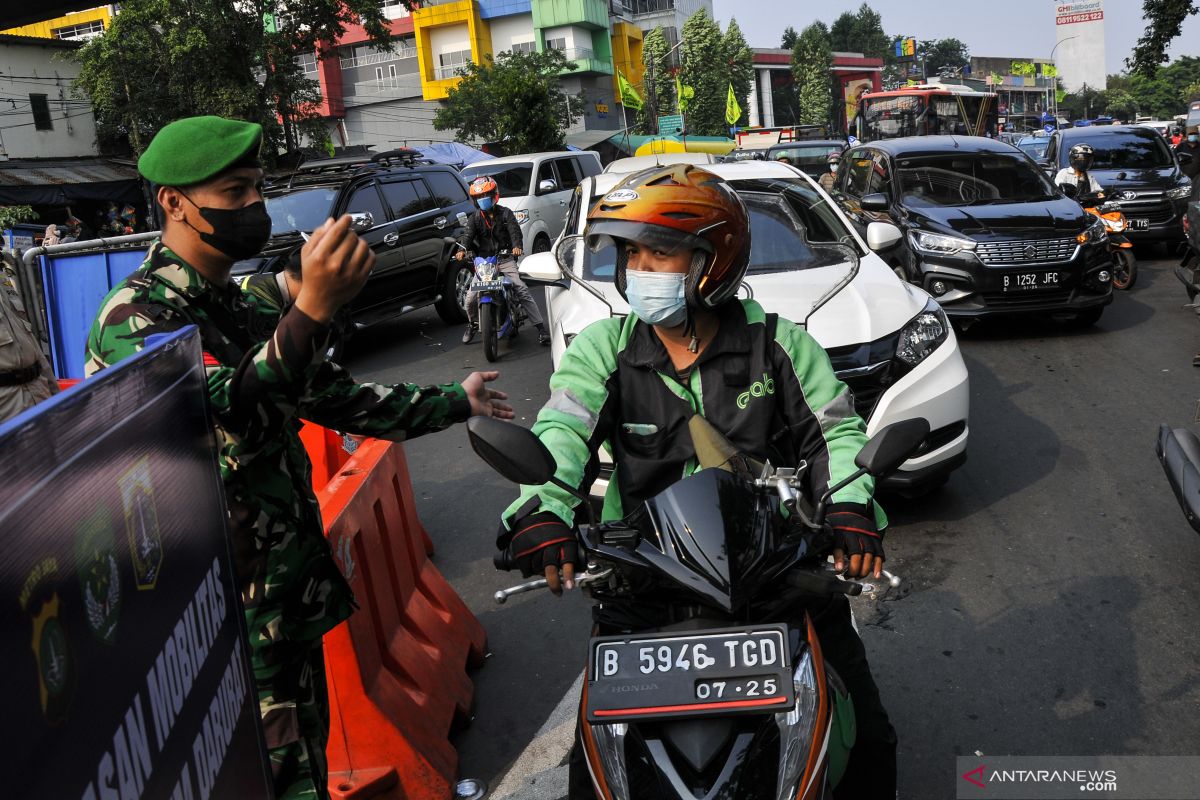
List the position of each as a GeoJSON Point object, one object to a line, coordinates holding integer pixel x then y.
{"type": "Point", "coordinates": [293, 701]}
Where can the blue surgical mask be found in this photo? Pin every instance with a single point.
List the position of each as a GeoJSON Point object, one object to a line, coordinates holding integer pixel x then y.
{"type": "Point", "coordinates": [1192, 137]}
{"type": "Point", "coordinates": [486, 203]}
{"type": "Point", "coordinates": [658, 298]}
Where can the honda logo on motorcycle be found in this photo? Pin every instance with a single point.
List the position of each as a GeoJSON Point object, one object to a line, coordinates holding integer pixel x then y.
{"type": "Point", "coordinates": [1127, 195]}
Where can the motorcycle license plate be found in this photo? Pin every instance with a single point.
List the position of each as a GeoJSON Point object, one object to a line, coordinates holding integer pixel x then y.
{"type": "Point", "coordinates": [488, 286]}
{"type": "Point", "coordinates": [1024, 281]}
{"type": "Point", "coordinates": [1137, 223]}
{"type": "Point", "coordinates": [716, 672]}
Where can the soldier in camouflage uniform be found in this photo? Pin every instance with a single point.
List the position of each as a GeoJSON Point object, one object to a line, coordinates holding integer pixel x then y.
{"type": "Point", "coordinates": [266, 370]}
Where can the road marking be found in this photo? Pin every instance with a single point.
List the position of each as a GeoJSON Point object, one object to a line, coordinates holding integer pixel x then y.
{"type": "Point", "coordinates": [546, 752]}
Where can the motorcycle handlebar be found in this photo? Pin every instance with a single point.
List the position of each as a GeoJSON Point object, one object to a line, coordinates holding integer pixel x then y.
{"type": "Point", "coordinates": [504, 561]}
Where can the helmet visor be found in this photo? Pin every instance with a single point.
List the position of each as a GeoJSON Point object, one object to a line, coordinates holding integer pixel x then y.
{"type": "Point", "coordinates": [602, 233]}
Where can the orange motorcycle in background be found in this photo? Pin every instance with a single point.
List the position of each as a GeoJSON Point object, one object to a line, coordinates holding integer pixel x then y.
{"type": "Point", "coordinates": [1119, 246]}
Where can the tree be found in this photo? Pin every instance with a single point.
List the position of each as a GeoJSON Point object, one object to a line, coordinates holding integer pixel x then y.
{"type": "Point", "coordinates": [740, 59]}
{"type": "Point", "coordinates": [812, 61]}
{"type": "Point", "coordinates": [160, 60]}
{"type": "Point", "coordinates": [944, 53]}
{"type": "Point", "coordinates": [515, 99]}
{"type": "Point", "coordinates": [788, 41]}
{"type": "Point", "coordinates": [660, 89]}
{"type": "Point", "coordinates": [704, 69]}
{"type": "Point", "coordinates": [843, 33]}
{"type": "Point", "coordinates": [1165, 18]}
{"type": "Point", "coordinates": [15, 215]}
{"type": "Point", "coordinates": [860, 32]}
{"type": "Point", "coordinates": [1120, 105]}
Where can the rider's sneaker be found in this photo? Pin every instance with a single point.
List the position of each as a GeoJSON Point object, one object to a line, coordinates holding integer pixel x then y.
{"type": "Point", "coordinates": [469, 333]}
{"type": "Point", "coordinates": [543, 337]}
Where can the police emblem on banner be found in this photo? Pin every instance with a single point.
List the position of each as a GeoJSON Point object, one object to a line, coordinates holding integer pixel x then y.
{"type": "Point", "coordinates": [99, 576]}
{"type": "Point", "coordinates": [48, 639]}
{"type": "Point", "coordinates": [141, 523]}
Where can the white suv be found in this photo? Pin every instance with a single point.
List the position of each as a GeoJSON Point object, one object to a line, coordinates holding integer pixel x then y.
{"type": "Point", "coordinates": [537, 188]}
{"type": "Point", "coordinates": [888, 341]}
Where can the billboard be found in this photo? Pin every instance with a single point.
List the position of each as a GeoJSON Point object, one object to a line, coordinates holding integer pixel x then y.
{"type": "Point", "coordinates": [125, 670]}
{"type": "Point", "coordinates": [1079, 48]}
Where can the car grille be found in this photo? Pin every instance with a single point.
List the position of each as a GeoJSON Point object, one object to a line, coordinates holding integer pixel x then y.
{"type": "Point", "coordinates": [1026, 251]}
{"type": "Point", "coordinates": [1025, 299]}
{"type": "Point", "coordinates": [1157, 213]}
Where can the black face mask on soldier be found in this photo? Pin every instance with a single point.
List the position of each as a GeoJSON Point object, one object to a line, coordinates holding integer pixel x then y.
{"type": "Point", "coordinates": [237, 232]}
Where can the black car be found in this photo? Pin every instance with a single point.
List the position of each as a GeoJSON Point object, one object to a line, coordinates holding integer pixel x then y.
{"type": "Point", "coordinates": [1137, 169]}
{"type": "Point", "coordinates": [986, 232]}
{"type": "Point", "coordinates": [404, 209]}
{"type": "Point", "coordinates": [810, 156]}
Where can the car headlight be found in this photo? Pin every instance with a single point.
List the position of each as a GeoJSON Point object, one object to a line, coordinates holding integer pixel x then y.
{"type": "Point", "coordinates": [797, 727]}
{"type": "Point", "coordinates": [940, 245]}
{"type": "Point", "coordinates": [1094, 232]}
{"type": "Point", "coordinates": [1180, 192]}
{"type": "Point", "coordinates": [923, 334]}
{"type": "Point", "coordinates": [522, 217]}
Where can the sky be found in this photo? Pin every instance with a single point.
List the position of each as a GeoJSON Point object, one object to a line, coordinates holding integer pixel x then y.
{"type": "Point", "coordinates": [1024, 28]}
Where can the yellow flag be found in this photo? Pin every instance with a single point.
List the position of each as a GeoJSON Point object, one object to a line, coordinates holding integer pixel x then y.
{"type": "Point", "coordinates": [629, 96]}
{"type": "Point", "coordinates": [683, 95]}
{"type": "Point", "coordinates": [733, 112]}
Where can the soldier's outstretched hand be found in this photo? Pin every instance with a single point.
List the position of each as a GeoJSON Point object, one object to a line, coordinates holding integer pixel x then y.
{"type": "Point", "coordinates": [486, 402]}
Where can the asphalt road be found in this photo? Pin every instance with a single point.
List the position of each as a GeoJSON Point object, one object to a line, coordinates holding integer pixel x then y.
{"type": "Point", "coordinates": [1048, 605]}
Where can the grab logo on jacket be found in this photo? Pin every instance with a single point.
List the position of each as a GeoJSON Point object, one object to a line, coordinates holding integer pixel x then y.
{"type": "Point", "coordinates": [757, 389]}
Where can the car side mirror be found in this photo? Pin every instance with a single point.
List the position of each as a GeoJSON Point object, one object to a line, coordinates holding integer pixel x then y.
{"type": "Point", "coordinates": [362, 221]}
{"type": "Point", "coordinates": [546, 186]}
{"type": "Point", "coordinates": [541, 268]}
{"type": "Point", "coordinates": [1069, 190]}
{"type": "Point", "coordinates": [892, 446]}
{"type": "Point", "coordinates": [883, 236]}
{"type": "Point", "coordinates": [1184, 158]}
{"type": "Point", "coordinates": [877, 201]}
{"type": "Point", "coordinates": [513, 451]}
{"type": "Point", "coordinates": [566, 250]}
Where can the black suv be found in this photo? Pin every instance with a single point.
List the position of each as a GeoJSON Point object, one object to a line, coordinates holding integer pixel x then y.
{"type": "Point", "coordinates": [1137, 169]}
{"type": "Point", "coordinates": [986, 232]}
{"type": "Point", "coordinates": [412, 205]}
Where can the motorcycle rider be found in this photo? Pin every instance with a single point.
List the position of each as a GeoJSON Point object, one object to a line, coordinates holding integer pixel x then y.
{"type": "Point", "coordinates": [491, 229]}
{"type": "Point", "coordinates": [1191, 146]}
{"type": "Point", "coordinates": [682, 241]}
{"type": "Point", "coordinates": [830, 178]}
{"type": "Point", "coordinates": [1080, 159]}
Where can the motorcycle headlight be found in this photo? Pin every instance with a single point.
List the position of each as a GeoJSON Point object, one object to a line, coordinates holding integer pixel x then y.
{"type": "Point", "coordinates": [937, 244]}
{"type": "Point", "coordinates": [1181, 192]}
{"type": "Point", "coordinates": [522, 217]}
{"type": "Point", "coordinates": [923, 334]}
{"type": "Point", "coordinates": [796, 729]}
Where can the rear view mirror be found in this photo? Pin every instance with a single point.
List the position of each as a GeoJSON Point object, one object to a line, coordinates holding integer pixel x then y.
{"type": "Point", "coordinates": [1184, 158]}
{"type": "Point", "coordinates": [1069, 190]}
{"type": "Point", "coordinates": [874, 202]}
{"type": "Point", "coordinates": [883, 236]}
{"type": "Point", "coordinates": [892, 446]}
{"type": "Point", "coordinates": [541, 268]}
{"type": "Point", "coordinates": [546, 186]}
{"type": "Point", "coordinates": [566, 251]}
{"type": "Point", "coordinates": [362, 221]}
{"type": "Point", "coordinates": [513, 451]}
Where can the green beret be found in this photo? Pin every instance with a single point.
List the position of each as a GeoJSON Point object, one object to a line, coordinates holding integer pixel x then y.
{"type": "Point", "coordinates": [197, 149]}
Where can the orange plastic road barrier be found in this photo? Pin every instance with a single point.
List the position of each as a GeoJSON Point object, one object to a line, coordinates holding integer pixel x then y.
{"type": "Point", "coordinates": [397, 668]}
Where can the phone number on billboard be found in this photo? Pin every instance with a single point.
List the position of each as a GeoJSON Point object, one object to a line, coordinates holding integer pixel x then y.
{"type": "Point", "coordinates": [1073, 18]}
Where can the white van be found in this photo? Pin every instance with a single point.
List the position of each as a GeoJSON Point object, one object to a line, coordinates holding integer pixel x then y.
{"type": "Point", "coordinates": [537, 187]}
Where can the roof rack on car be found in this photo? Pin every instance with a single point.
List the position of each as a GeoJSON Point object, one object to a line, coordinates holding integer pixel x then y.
{"type": "Point", "coordinates": [400, 157]}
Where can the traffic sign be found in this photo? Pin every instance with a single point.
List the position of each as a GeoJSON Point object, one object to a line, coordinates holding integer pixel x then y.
{"type": "Point", "coordinates": [670, 124]}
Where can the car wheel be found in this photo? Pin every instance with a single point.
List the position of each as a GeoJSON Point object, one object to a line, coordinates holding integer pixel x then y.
{"type": "Point", "coordinates": [456, 280]}
{"type": "Point", "coordinates": [541, 244]}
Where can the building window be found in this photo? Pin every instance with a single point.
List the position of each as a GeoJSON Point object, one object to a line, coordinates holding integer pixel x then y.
{"type": "Point", "coordinates": [524, 47]}
{"type": "Point", "coordinates": [392, 72]}
{"type": "Point", "coordinates": [307, 62]}
{"type": "Point", "coordinates": [41, 113]}
{"type": "Point", "coordinates": [650, 6]}
{"type": "Point", "coordinates": [450, 63]}
{"type": "Point", "coordinates": [84, 30]}
{"type": "Point", "coordinates": [557, 44]}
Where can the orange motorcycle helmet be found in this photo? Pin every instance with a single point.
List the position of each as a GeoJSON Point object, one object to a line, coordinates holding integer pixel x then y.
{"type": "Point", "coordinates": [673, 208]}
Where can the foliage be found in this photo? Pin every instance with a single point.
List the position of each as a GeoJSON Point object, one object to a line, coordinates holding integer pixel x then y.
{"type": "Point", "coordinates": [1120, 105]}
{"type": "Point", "coordinates": [705, 69]}
{"type": "Point", "coordinates": [860, 32]}
{"type": "Point", "coordinates": [788, 40]}
{"type": "Point", "coordinates": [160, 60]}
{"type": "Point", "coordinates": [740, 59]}
{"type": "Point", "coordinates": [659, 94]}
{"type": "Point", "coordinates": [516, 99]}
{"type": "Point", "coordinates": [944, 53]}
{"type": "Point", "coordinates": [14, 215]}
{"type": "Point", "coordinates": [1164, 23]}
{"type": "Point", "coordinates": [812, 60]}
{"type": "Point", "coordinates": [1160, 96]}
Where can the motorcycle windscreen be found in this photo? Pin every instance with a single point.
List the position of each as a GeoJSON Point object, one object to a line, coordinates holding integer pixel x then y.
{"type": "Point", "coordinates": [710, 533]}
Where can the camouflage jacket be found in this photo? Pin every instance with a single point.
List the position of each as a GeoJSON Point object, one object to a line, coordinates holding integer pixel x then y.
{"type": "Point", "coordinates": [266, 371]}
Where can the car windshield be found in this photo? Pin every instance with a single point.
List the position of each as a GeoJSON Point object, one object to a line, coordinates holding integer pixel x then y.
{"type": "Point", "coordinates": [1123, 150]}
{"type": "Point", "coordinates": [1036, 148]}
{"type": "Point", "coordinates": [513, 179]}
{"type": "Point", "coordinates": [963, 179]}
{"type": "Point", "coordinates": [787, 215]}
{"type": "Point", "coordinates": [304, 210]}
{"type": "Point", "coordinates": [808, 156]}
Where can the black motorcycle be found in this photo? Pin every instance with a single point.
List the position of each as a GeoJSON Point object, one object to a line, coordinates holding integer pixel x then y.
{"type": "Point", "coordinates": [705, 677]}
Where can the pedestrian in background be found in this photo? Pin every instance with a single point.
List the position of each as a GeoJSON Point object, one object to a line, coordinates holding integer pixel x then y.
{"type": "Point", "coordinates": [25, 376]}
